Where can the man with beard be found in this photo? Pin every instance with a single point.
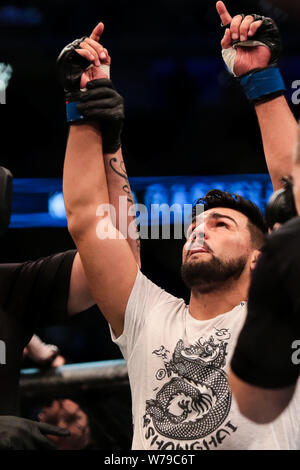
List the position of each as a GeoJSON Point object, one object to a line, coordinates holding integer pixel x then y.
{"type": "Point", "coordinates": [177, 354]}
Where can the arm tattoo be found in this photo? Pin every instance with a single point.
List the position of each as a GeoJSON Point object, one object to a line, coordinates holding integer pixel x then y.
{"type": "Point", "coordinates": [126, 188]}
{"type": "Point", "coordinates": [122, 172]}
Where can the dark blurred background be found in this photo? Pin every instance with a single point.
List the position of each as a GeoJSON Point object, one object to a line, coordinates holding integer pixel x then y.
{"type": "Point", "coordinates": [184, 114]}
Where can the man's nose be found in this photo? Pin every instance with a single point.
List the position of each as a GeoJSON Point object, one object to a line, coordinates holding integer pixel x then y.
{"type": "Point", "coordinates": [198, 237]}
{"type": "Point", "coordinates": [200, 232]}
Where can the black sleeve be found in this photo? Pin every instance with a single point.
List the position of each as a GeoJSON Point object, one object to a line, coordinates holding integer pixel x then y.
{"type": "Point", "coordinates": [36, 293]}
{"type": "Point", "coordinates": [263, 355]}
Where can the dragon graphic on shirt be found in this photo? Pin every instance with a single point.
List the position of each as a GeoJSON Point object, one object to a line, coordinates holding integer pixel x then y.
{"type": "Point", "coordinates": [197, 398]}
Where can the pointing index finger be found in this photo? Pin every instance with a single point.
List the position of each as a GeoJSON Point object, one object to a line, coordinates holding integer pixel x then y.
{"type": "Point", "coordinates": [224, 15]}
{"type": "Point", "coordinates": [97, 32]}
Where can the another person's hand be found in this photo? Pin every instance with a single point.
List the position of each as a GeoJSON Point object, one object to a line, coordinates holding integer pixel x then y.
{"type": "Point", "coordinates": [58, 361]}
{"type": "Point", "coordinates": [67, 414]}
{"type": "Point", "coordinates": [44, 355]}
{"type": "Point", "coordinates": [23, 434]}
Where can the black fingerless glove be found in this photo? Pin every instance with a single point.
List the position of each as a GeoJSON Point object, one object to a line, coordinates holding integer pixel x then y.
{"type": "Point", "coordinates": [268, 35]}
{"type": "Point", "coordinates": [102, 103]}
{"type": "Point", "coordinates": [261, 85]}
{"type": "Point", "coordinates": [70, 66]}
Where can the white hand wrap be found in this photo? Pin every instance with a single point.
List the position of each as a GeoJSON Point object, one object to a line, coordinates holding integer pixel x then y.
{"type": "Point", "coordinates": [229, 55]}
{"type": "Point", "coordinates": [105, 69]}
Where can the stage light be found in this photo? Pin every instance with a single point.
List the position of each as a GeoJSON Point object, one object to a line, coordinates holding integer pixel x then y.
{"type": "Point", "coordinates": [56, 206]}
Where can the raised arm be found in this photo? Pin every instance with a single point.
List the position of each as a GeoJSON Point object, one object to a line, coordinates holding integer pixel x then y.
{"type": "Point", "coordinates": [256, 67]}
{"type": "Point", "coordinates": [259, 404]}
{"type": "Point", "coordinates": [119, 190]}
{"type": "Point", "coordinates": [278, 128]}
{"type": "Point", "coordinates": [89, 50]}
{"type": "Point", "coordinates": [108, 263]}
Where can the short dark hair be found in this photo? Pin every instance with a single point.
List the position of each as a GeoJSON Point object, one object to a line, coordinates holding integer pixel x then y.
{"type": "Point", "coordinates": [281, 206]}
{"type": "Point", "coordinates": [256, 221]}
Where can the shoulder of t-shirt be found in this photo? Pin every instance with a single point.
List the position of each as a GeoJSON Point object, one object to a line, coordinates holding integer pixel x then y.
{"type": "Point", "coordinates": [54, 257]}
{"type": "Point", "coordinates": [165, 296]}
{"type": "Point", "coordinates": [9, 270]}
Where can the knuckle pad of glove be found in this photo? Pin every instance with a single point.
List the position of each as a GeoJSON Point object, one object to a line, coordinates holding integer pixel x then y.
{"type": "Point", "coordinates": [269, 34]}
{"type": "Point", "coordinates": [67, 50]}
{"type": "Point", "coordinates": [71, 65]}
{"type": "Point", "coordinates": [115, 102]}
{"type": "Point", "coordinates": [96, 94]}
{"type": "Point", "coordinates": [100, 83]}
{"type": "Point", "coordinates": [107, 103]}
{"type": "Point", "coordinates": [102, 97]}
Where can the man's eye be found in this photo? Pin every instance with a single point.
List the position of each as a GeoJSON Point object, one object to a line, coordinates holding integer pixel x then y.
{"type": "Point", "coordinates": [222, 224]}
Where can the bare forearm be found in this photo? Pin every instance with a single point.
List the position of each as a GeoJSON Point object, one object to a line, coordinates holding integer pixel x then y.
{"type": "Point", "coordinates": [106, 258]}
{"type": "Point", "coordinates": [120, 196]}
{"type": "Point", "coordinates": [279, 134]}
{"type": "Point", "coordinates": [259, 404]}
{"type": "Point", "coordinates": [84, 183]}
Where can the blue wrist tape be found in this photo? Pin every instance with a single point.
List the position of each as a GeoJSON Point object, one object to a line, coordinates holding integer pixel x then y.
{"type": "Point", "coordinates": [72, 112]}
{"type": "Point", "coordinates": [260, 84]}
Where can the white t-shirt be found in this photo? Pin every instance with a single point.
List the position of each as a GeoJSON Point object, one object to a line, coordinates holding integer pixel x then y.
{"type": "Point", "coordinates": [177, 369]}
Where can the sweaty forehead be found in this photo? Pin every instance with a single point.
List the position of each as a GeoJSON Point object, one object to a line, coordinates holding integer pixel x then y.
{"type": "Point", "coordinates": [240, 219]}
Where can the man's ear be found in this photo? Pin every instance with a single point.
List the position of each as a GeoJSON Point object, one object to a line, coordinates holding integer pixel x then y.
{"type": "Point", "coordinates": [254, 258]}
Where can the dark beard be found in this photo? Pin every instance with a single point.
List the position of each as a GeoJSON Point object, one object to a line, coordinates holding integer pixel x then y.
{"type": "Point", "coordinates": [212, 275]}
